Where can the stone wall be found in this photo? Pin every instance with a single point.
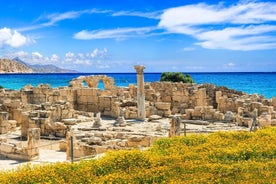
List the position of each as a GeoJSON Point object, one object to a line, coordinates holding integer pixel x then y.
{"type": "Point", "coordinates": [53, 110]}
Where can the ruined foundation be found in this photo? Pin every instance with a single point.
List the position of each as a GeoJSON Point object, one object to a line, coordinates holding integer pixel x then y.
{"type": "Point", "coordinates": [106, 119]}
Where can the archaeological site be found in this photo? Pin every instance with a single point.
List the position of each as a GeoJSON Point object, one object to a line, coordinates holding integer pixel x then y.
{"type": "Point", "coordinates": [82, 120]}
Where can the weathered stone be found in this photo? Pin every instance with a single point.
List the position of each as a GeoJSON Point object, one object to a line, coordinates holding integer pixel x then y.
{"type": "Point", "coordinates": [229, 116]}
{"type": "Point", "coordinates": [154, 117]}
{"type": "Point", "coordinates": [163, 105]}
{"type": "Point", "coordinates": [94, 141]}
{"type": "Point", "coordinates": [265, 120]}
{"type": "Point", "coordinates": [140, 92]}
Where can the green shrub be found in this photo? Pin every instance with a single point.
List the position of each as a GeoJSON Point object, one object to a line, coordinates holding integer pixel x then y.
{"type": "Point", "coordinates": [176, 77]}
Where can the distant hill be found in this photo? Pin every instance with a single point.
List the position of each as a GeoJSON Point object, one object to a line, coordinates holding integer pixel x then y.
{"type": "Point", "coordinates": [49, 68]}
{"type": "Point", "coordinates": [10, 66]}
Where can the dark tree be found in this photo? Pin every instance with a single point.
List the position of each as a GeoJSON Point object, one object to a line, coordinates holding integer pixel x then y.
{"type": "Point", "coordinates": [176, 77]}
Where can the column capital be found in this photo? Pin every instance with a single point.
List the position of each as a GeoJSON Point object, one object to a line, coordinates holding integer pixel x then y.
{"type": "Point", "coordinates": [139, 69]}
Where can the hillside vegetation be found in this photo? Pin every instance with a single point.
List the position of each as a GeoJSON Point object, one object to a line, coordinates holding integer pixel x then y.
{"type": "Point", "coordinates": [233, 157]}
{"type": "Point", "coordinates": [176, 77]}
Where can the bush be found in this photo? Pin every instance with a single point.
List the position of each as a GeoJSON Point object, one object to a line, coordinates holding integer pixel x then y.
{"type": "Point", "coordinates": [176, 77]}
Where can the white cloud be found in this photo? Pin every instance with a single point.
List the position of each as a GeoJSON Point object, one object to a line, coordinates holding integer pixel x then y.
{"type": "Point", "coordinates": [149, 15]}
{"type": "Point", "coordinates": [37, 55]}
{"type": "Point", "coordinates": [244, 26]}
{"type": "Point", "coordinates": [13, 38]}
{"type": "Point", "coordinates": [54, 18]}
{"type": "Point", "coordinates": [54, 58]}
{"type": "Point", "coordinates": [96, 57]}
{"type": "Point", "coordinates": [98, 53]}
{"type": "Point", "coordinates": [230, 64]}
{"type": "Point", "coordinates": [120, 33]}
{"type": "Point", "coordinates": [251, 12]}
{"type": "Point", "coordinates": [69, 55]}
{"type": "Point", "coordinates": [188, 48]}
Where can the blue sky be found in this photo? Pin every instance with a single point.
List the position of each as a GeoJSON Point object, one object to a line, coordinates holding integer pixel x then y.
{"type": "Point", "coordinates": [114, 35]}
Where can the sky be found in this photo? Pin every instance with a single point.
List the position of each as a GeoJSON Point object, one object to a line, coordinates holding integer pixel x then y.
{"type": "Point", "coordinates": [163, 35]}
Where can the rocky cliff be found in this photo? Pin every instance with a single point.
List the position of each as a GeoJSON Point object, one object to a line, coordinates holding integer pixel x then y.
{"type": "Point", "coordinates": [10, 66]}
{"type": "Point", "coordinates": [18, 66]}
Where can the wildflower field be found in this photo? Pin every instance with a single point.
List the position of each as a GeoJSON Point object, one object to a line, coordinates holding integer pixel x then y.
{"type": "Point", "coordinates": [224, 157]}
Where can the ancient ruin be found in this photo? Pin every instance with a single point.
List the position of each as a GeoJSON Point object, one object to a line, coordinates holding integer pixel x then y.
{"type": "Point", "coordinates": [97, 120]}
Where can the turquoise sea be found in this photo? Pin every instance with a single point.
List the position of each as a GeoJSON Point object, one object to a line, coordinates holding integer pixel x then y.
{"type": "Point", "coordinates": [260, 83]}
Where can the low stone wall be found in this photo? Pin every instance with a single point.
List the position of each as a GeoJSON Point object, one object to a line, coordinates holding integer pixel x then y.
{"type": "Point", "coordinates": [29, 152]}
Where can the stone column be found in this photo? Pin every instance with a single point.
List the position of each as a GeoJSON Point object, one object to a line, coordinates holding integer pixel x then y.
{"type": "Point", "coordinates": [33, 143]}
{"type": "Point", "coordinates": [140, 92]}
{"type": "Point", "coordinates": [4, 125]}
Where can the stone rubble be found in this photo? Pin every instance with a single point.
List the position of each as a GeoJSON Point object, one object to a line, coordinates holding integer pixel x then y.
{"type": "Point", "coordinates": [122, 113]}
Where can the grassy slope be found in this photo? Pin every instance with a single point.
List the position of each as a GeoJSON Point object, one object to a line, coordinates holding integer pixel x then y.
{"type": "Point", "coordinates": [235, 157]}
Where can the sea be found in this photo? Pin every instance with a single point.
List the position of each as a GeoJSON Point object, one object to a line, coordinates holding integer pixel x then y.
{"type": "Point", "coordinates": [262, 83]}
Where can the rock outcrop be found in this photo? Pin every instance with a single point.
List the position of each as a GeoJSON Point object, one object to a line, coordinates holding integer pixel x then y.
{"type": "Point", "coordinates": [10, 66]}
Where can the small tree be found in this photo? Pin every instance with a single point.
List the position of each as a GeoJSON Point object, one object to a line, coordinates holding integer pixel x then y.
{"type": "Point", "coordinates": [176, 77]}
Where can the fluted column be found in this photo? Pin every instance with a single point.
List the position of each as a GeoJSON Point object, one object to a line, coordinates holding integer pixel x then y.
{"type": "Point", "coordinates": [140, 92]}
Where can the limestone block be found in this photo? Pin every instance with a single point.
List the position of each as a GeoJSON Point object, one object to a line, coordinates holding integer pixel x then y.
{"type": "Point", "coordinates": [189, 113]}
{"type": "Point", "coordinates": [94, 141]}
{"type": "Point", "coordinates": [108, 135]}
{"type": "Point", "coordinates": [218, 116]}
{"type": "Point", "coordinates": [163, 105]}
{"type": "Point", "coordinates": [82, 99]}
{"type": "Point", "coordinates": [82, 107]}
{"type": "Point", "coordinates": [273, 115]}
{"type": "Point", "coordinates": [256, 105]}
{"type": "Point", "coordinates": [266, 109]}
{"type": "Point", "coordinates": [92, 107]}
{"type": "Point", "coordinates": [100, 149]}
{"type": "Point", "coordinates": [177, 98]}
{"type": "Point", "coordinates": [198, 111]}
{"type": "Point", "coordinates": [122, 143]}
{"type": "Point", "coordinates": [33, 142]}
{"type": "Point", "coordinates": [167, 113]}
{"type": "Point", "coordinates": [239, 120]}
{"type": "Point", "coordinates": [7, 147]}
{"type": "Point", "coordinates": [3, 116]}
{"type": "Point", "coordinates": [229, 116]}
{"type": "Point", "coordinates": [273, 122]}
{"type": "Point", "coordinates": [133, 115]}
{"type": "Point", "coordinates": [274, 102]}
{"type": "Point", "coordinates": [176, 110]}
{"type": "Point", "coordinates": [265, 120]}
{"type": "Point", "coordinates": [166, 98]}
{"type": "Point", "coordinates": [218, 96]}
{"type": "Point", "coordinates": [139, 141]}
{"type": "Point", "coordinates": [120, 135]}
{"type": "Point", "coordinates": [154, 117]}
{"type": "Point", "coordinates": [62, 146]}
{"type": "Point", "coordinates": [247, 121]}
{"type": "Point", "coordinates": [4, 127]}
{"type": "Point", "coordinates": [12, 124]}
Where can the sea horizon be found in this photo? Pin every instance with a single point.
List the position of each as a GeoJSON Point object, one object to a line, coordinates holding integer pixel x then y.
{"type": "Point", "coordinates": [262, 83]}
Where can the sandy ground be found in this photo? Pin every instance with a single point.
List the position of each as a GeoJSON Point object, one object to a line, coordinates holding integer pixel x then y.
{"type": "Point", "coordinates": [46, 156]}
